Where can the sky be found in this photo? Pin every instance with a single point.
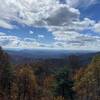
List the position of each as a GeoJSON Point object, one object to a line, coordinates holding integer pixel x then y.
{"type": "Point", "coordinates": [50, 24]}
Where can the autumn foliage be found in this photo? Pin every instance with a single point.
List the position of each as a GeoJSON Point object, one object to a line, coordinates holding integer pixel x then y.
{"type": "Point", "coordinates": [34, 82]}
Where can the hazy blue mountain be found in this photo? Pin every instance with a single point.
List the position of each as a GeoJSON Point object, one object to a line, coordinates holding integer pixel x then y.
{"type": "Point", "coordinates": [19, 56]}
{"type": "Point", "coordinates": [37, 53]}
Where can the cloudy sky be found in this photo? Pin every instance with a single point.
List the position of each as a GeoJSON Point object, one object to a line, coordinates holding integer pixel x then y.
{"type": "Point", "coordinates": [52, 24]}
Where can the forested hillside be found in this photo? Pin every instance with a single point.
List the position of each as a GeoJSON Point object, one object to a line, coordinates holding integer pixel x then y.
{"type": "Point", "coordinates": [43, 81]}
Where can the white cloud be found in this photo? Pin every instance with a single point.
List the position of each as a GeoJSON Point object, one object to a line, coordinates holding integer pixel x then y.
{"type": "Point", "coordinates": [62, 15]}
{"type": "Point", "coordinates": [1, 33]}
{"type": "Point", "coordinates": [96, 27]}
{"type": "Point", "coordinates": [8, 41]}
{"type": "Point", "coordinates": [80, 3]}
{"type": "Point", "coordinates": [44, 12]}
{"type": "Point", "coordinates": [80, 43]}
{"type": "Point", "coordinates": [5, 24]}
{"type": "Point", "coordinates": [31, 32]}
{"type": "Point", "coordinates": [73, 39]}
{"type": "Point", "coordinates": [68, 40]}
{"type": "Point", "coordinates": [40, 36]}
{"type": "Point", "coordinates": [61, 19]}
{"type": "Point", "coordinates": [86, 23]}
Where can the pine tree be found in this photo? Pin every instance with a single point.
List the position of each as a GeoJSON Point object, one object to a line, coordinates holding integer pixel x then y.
{"type": "Point", "coordinates": [63, 85]}
{"type": "Point", "coordinates": [88, 82]}
{"type": "Point", "coordinates": [6, 73]}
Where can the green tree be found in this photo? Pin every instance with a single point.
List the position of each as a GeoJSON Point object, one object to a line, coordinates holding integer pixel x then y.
{"type": "Point", "coordinates": [88, 83]}
{"type": "Point", "coordinates": [63, 85]}
{"type": "Point", "coordinates": [6, 74]}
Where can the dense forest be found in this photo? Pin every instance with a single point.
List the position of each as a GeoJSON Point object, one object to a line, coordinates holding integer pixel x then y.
{"type": "Point", "coordinates": [33, 81]}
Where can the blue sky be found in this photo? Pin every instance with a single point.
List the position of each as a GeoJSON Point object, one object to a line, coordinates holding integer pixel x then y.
{"type": "Point", "coordinates": [52, 24]}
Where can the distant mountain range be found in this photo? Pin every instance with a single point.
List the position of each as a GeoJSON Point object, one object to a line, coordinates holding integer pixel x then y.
{"type": "Point", "coordinates": [23, 56]}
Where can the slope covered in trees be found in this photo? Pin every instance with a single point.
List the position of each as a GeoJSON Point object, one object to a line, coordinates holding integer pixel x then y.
{"type": "Point", "coordinates": [87, 82]}
{"type": "Point", "coordinates": [38, 82]}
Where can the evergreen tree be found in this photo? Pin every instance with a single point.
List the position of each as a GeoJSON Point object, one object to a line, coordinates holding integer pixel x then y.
{"type": "Point", "coordinates": [88, 83]}
{"type": "Point", "coordinates": [6, 73]}
{"type": "Point", "coordinates": [63, 85]}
